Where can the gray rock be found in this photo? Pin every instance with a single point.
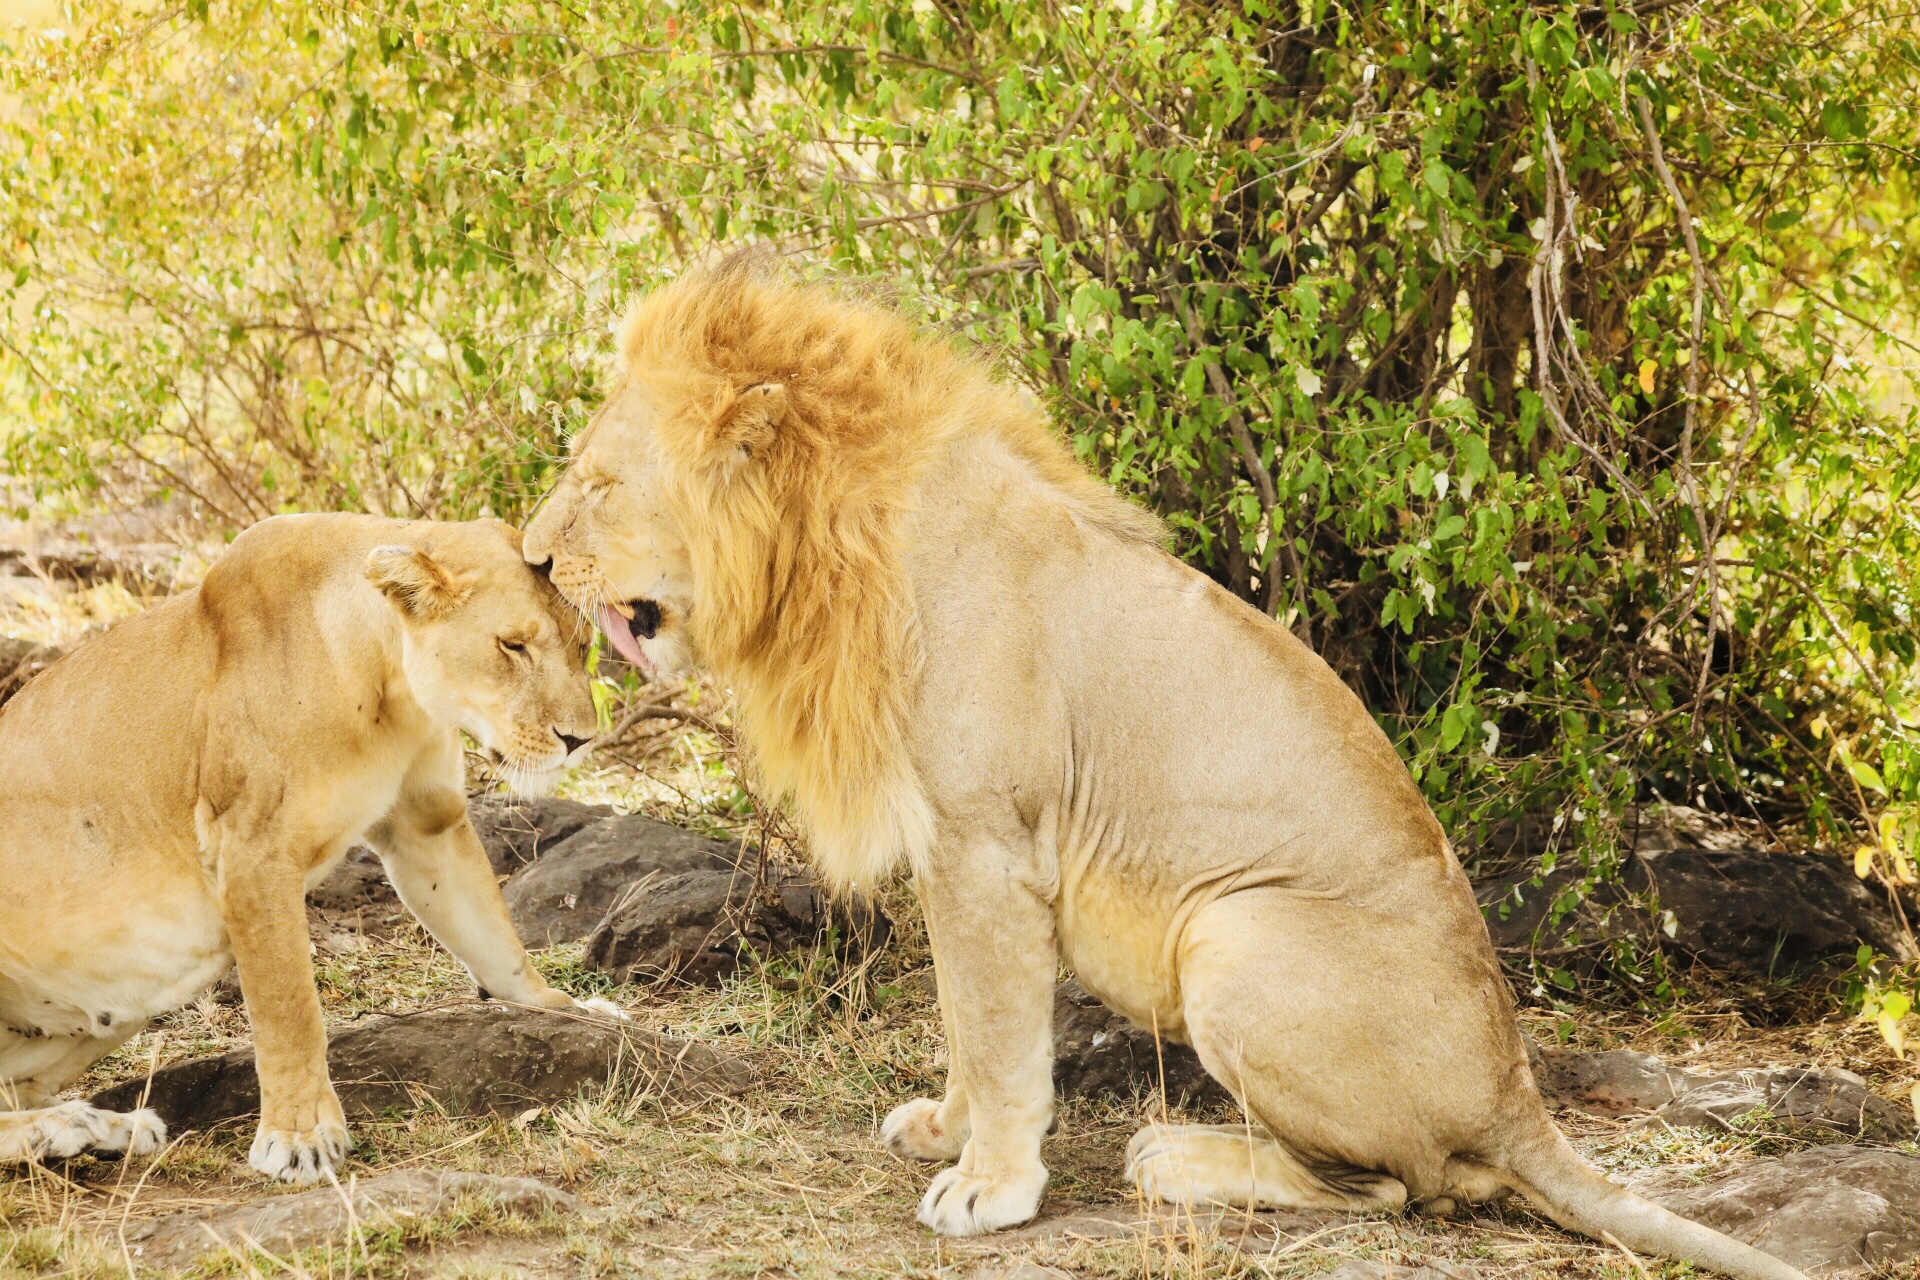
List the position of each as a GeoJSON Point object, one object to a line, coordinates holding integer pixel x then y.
{"type": "Point", "coordinates": [14, 651]}
{"type": "Point", "coordinates": [359, 881]}
{"type": "Point", "coordinates": [1771, 914]}
{"type": "Point", "coordinates": [145, 567]}
{"type": "Point", "coordinates": [1798, 1098]}
{"type": "Point", "coordinates": [470, 1059]}
{"type": "Point", "coordinates": [513, 832]}
{"type": "Point", "coordinates": [516, 832]}
{"type": "Point", "coordinates": [699, 926]}
{"type": "Point", "coordinates": [1096, 1050]}
{"type": "Point", "coordinates": [1613, 1082]}
{"type": "Point", "coordinates": [1619, 1082]}
{"type": "Point", "coordinates": [21, 661]}
{"type": "Point", "coordinates": [1735, 904]}
{"type": "Point", "coordinates": [1825, 1209]}
{"type": "Point", "coordinates": [1371, 1269]}
{"type": "Point", "coordinates": [1132, 1220]}
{"type": "Point", "coordinates": [563, 896]}
{"type": "Point", "coordinates": [286, 1224]}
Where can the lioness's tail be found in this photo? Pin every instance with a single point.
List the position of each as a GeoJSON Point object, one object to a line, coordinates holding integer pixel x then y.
{"type": "Point", "coordinates": [1553, 1175]}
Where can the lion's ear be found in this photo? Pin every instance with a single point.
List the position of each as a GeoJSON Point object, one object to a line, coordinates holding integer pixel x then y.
{"type": "Point", "coordinates": [749, 422]}
{"type": "Point", "coordinates": [418, 585]}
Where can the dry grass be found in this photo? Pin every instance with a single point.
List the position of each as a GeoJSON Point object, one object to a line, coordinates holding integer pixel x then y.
{"type": "Point", "coordinates": [789, 1180]}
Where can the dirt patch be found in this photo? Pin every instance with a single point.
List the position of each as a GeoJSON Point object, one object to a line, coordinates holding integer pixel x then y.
{"type": "Point", "coordinates": [1096, 1051]}
{"type": "Point", "coordinates": [289, 1223]}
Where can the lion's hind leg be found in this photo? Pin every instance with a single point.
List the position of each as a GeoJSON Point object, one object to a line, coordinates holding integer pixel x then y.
{"type": "Point", "coordinates": [1240, 1167]}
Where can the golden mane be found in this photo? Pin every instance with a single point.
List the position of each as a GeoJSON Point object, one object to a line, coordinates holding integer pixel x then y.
{"type": "Point", "coordinates": [795, 423]}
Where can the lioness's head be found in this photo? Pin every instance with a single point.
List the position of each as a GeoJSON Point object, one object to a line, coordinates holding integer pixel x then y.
{"type": "Point", "coordinates": [489, 646]}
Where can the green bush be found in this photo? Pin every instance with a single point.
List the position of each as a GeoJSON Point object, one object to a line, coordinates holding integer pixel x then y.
{"type": "Point", "coordinates": [1540, 365]}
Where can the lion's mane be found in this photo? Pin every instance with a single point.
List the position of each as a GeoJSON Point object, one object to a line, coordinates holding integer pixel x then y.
{"type": "Point", "coordinates": [796, 527]}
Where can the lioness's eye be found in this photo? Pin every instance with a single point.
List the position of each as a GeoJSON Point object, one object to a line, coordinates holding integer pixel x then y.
{"type": "Point", "coordinates": [513, 648]}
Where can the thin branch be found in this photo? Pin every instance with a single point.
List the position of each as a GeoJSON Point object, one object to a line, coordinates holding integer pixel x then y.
{"type": "Point", "coordinates": [1689, 484]}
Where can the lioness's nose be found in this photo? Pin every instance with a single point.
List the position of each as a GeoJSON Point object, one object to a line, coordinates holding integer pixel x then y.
{"type": "Point", "coordinates": [571, 743]}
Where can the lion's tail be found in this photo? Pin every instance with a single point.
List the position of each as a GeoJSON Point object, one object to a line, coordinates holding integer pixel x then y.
{"type": "Point", "coordinates": [1554, 1176]}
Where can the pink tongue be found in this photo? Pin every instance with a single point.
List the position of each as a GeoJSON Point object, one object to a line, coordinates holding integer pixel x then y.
{"type": "Point", "coordinates": [618, 631]}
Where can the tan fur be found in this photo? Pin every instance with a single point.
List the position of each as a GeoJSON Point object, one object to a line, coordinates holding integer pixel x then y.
{"type": "Point", "coordinates": [175, 786]}
{"type": "Point", "coordinates": [790, 533]}
{"type": "Point", "coordinates": [953, 645]}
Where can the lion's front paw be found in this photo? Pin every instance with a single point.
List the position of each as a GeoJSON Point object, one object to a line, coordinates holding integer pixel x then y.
{"type": "Point", "coordinates": [913, 1131]}
{"type": "Point", "coordinates": [971, 1204]}
{"type": "Point", "coordinates": [71, 1128]}
{"type": "Point", "coordinates": [300, 1156]}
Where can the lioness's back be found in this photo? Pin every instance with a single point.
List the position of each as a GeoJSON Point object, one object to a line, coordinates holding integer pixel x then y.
{"type": "Point", "coordinates": [115, 709]}
{"type": "Point", "coordinates": [122, 714]}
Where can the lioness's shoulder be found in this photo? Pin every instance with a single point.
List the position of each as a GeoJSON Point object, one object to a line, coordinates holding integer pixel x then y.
{"type": "Point", "coordinates": [283, 558]}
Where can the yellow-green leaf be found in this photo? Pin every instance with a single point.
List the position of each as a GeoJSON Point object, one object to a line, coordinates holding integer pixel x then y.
{"type": "Point", "coordinates": [1866, 775]}
{"type": "Point", "coordinates": [1893, 1034]}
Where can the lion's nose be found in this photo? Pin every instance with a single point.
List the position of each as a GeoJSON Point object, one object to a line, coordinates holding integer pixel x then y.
{"type": "Point", "coordinates": [571, 743]}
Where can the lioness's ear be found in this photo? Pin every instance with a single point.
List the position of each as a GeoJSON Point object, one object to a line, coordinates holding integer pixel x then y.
{"type": "Point", "coordinates": [749, 422]}
{"type": "Point", "coordinates": [418, 585]}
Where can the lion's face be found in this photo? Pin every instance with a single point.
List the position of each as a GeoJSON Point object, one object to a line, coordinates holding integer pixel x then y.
{"type": "Point", "coordinates": [491, 648]}
{"type": "Point", "coordinates": [612, 544]}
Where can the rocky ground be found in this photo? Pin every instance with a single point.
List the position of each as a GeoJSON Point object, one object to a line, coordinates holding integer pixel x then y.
{"type": "Point", "coordinates": [729, 1129]}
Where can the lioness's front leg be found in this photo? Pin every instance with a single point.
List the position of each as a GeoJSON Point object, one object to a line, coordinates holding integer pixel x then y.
{"type": "Point", "coordinates": [994, 951]}
{"type": "Point", "coordinates": [303, 1132]}
{"type": "Point", "coordinates": [440, 869]}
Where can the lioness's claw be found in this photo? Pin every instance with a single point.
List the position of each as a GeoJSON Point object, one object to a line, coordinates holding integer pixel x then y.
{"type": "Point", "coordinates": [604, 1007]}
{"type": "Point", "coordinates": [71, 1128]}
{"type": "Point", "coordinates": [971, 1204]}
{"type": "Point", "coordinates": [912, 1131]}
{"type": "Point", "coordinates": [300, 1158]}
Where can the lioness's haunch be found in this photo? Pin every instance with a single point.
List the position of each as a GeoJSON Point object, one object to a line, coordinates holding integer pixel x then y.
{"type": "Point", "coordinates": [956, 650]}
{"type": "Point", "coordinates": [173, 788]}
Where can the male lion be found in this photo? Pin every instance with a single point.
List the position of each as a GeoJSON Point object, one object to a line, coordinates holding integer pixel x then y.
{"type": "Point", "coordinates": [174, 787]}
{"type": "Point", "coordinates": [954, 649]}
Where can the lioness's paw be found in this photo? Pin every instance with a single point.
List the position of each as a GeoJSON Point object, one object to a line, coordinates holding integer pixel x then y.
{"type": "Point", "coordinates": [604, 1007]}
{"type": "Point", "coordinates": [74, 1127]}
{"type": "Point", "coordinates": [913, 1131]}
{"type": "Point", "coordinates": [971, 1204]}
{"type": "Point", "coordinates": [299, 1157]}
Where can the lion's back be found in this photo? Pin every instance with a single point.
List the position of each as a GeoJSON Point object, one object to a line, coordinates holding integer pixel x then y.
{"type": "Point", "coordinates": [1211, 731]}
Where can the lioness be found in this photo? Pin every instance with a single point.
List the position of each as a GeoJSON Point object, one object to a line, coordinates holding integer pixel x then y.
{"type": "Point", "coordinates": [952, 647]}
{"type": "Point", "coordinates": [174, 787]}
